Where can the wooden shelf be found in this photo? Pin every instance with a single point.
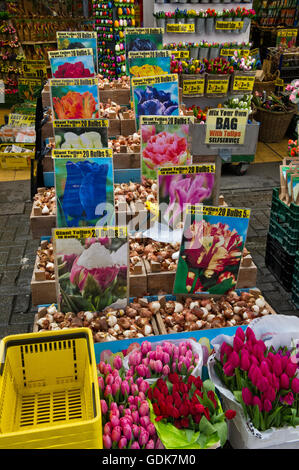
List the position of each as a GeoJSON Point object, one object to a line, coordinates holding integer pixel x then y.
{"type": "Point", "coordinates": [32, 43]}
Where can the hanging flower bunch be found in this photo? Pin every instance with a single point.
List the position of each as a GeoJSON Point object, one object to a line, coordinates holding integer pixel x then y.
{"type": "Point", "coordinates": [293, 148]}
{"type": "Point", "coordinates": [218, 66]}
{"type": "Point", "coordinates": [160, 14]}
{"type": "Point", "coordinates": [191, 14]}
{"type": "Point", "coordinates": [204, 44]}
{"type": "Point", "coordinates": [245, 13]}
{"type": "Point", "coordinates": [180, 13]}
{"type": "Point", "coordinates": [169, 14]}
{"type": "Point", "coordinates": [240, 62]}
{"type": "Point", "coordinates": [262, 379]}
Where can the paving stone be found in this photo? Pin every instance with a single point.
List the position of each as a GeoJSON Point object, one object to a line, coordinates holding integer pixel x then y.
{"type": "Point", "coordinates": [22, 303]}
{"type": "Point", "coordinates": [7, 330]}
{"type": "Point", "coordinates": [3, 258]}
{"type": "Point", "coordinates": [8, 236]}
{"type": "Point", "coordinates": [9, 277]}
{"type": "Point", "coordinates": [5, 308]}
{"type": "Point", "coordinates": [22, 318]}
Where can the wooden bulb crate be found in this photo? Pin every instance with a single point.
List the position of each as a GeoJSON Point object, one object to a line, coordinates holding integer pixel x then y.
{"type": "Point", "coordinates": [138, 280]}
{"type": "Point", "coordinates": [43, 291]}
{"type": "Point", "coordinates": [41, 225]}
{"type": "Point", "coordinates": [127, 124]}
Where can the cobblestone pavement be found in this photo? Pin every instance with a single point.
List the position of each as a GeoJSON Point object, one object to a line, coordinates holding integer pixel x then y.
{"type": "Point", "coordinates": [18, 252]}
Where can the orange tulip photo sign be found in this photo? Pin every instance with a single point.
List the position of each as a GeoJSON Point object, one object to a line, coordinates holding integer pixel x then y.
{"type": "Point", "coordinates": [211, 250]}
{"type": "Point", "coordinates": [75, 98]}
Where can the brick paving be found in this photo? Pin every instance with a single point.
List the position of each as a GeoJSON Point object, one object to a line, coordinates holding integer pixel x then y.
{"type": "Point", "coordinates": [18, 252]}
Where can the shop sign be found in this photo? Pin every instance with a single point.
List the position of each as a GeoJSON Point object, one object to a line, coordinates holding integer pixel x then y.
{"type": "Point", "coordinates": [226, 126]}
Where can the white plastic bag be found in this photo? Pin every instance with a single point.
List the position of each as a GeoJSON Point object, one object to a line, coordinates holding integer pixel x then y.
{"type": "Point", "coordinates": [276, 330]}
{"type": "Point", "coordinates": [196, 349]}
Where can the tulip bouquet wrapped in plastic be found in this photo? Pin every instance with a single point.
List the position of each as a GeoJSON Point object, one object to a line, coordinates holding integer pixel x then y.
{"type": "Point", "coordinates": [187, 413]}
{"type": "Point", "coordinates": [125, 410]}
{"type": "Point", "coordinates": [154, 360]}
{"type": "Point", "coordinates": [259, 379]}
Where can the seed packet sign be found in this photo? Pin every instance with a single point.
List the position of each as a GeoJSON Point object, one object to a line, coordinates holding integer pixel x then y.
{"type": "Point", "coordinates": [181, 186]}
{"type": "Point", "coordinates": [84, 187]}
{"type": "Point", "coordinates": [73, 63]}
{"type": "Point", "coordinates": [30, 88]}
{"type": "Point", "coordinates": [211, 249]}
{"type": "Point", "coordinates": [149, 63]}
{"type": "Point", "coordinates": [226, 126]}
{"type": "Point", "coordinates": [165, 141]}
{"type": "Point", "coordinates": [91, 268]}
{"type": "Point", "coordinates": [81, 134]}
{"type": "Point", "coordinates": [155, 96]}
{"type": "Point", "coordinates": [74, 98]}
{"type": "Point", "coordinates": [286, 37]}
{"type": "Point", "coordinates": [78, 40]}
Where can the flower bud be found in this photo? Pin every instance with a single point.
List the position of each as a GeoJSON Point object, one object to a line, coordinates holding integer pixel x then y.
{"type": "Point", "coordinates": [117, 362]}
{"type": "Point", "coordinates": [107, 441]}
{"type": "Point", "coordinates": [104, 407]}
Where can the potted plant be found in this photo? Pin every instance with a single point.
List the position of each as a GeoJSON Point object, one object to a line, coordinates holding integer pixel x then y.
{"type": "Point", "coordinates": [200, 22]}
{"type": "Point", "coordinates": [238, 16]}
{"type": "Point", "coordinates": [219, 17]}
{"type": "Point", "coordinates": [218, 70]}
{"type": "Point", "coordinates": [191, 16]}
{"type": "Point", "coordinates": [203, 49]}
{"type": "Point", "coordinates": [274, 114]}
{"type": "Point", "coordinates": [227, 16]}
{"type": "Point", "coordinates": [169, 17]}
{"type": "Point", "coordinates": [194, 49]}
{"type": "Point", "coordinates": [210, 20]}
{"type": "Point", "coordinates": [214, 50]}
{"type": "Point", "coordinates": [247, 16]}
{"type": "Point", "coordinates": [243, 67]}
{"type": "Point", "coordinates": [160, 19]}
{"type": "Point", "coordinates": [180, 15]}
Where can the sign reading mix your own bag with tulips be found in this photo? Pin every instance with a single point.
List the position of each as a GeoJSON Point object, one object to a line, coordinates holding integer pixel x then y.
{"type": "Point", "coordinates": [211, 249]}
{"type": "Point", "coordinates": [81, 134]}
{"type": "Point", "coordinates": [91, 268]}
{"type": "Point", "coordinates": [226, 126]}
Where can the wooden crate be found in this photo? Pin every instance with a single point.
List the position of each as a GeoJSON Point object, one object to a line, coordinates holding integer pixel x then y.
{"type": "Point", "coordinates": [46, 98]}
{"type": "Point", "coordinates": [122, 96]}
{"type": "Point", "coordinates": [138, 281]}
{"type": "Point", "coordinates": [41, 225]}
{"type": "Point", "coordinates": [106, 94]}
{"type": "Point", "coordinates": [48, 130]}
{"type": "Point", "coordinates": [127, 125]}
{"type": "Point", "coordinates": [134, 215]}
{"type": "Point", "coordinates": [160, 321]}
{"type": "Point", "coordinates": [48, 164]}
{"type": "Point", "coordinates": [158, 280]}
{"type": "Point", "coordinates": [247, 273]}
{"type": "Point", "coordinates": [122, 161]}
{"type": "Point", "coordinates": [114, 127]}
{"type": "Point", "coordinates": [43, 291]}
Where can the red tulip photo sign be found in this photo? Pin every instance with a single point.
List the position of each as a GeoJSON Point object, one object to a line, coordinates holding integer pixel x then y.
{"type": "Point", "coordinates": [73, 63]}
{"type": "Point", "coordinates": [211, 249]}
{"type": "Point", "coordinates": [91, 268]}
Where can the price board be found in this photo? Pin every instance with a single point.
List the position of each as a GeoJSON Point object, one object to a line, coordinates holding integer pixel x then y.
{"type": "Point", "coordinates": [243, 84]}
{"type": "Point", "coordinates": [226, 126]}
{"type": "Point", "coordinates": [180, 28]}
{"type": "Point", "coordinates": [194, 87]}
{"type": "Point", "coordinates": [217, 86]}
{"type": "Point", "coordinates": [229, 25]}
{"type": "Point", "coordinates": [286, 37]}
{"type": "Point", "coordinates": [34, 69]}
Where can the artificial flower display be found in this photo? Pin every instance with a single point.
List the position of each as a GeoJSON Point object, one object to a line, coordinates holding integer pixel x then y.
{"type": "Point", "coordinates": [246, 64]}
{"type": "Point", "coordinates": [294, 92]}
{"type": "Point", "coordinates": [219, 66]}
{"type": "Point", "coordinates": [263, 380]}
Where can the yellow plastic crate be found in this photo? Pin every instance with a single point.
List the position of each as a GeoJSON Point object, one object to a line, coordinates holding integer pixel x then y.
{"type": "Point", "coordinates": [49, 396]}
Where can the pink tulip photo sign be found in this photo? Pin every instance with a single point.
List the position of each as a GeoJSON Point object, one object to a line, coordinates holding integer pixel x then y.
{"type": "Point", "coordinates": [165, 142]}
{"type": "Point", "coordinates": [91, 268]}
{"type": "Point", "coordinates": [181, 186]}
{"type": "Point", "coordinates": [211, 249]}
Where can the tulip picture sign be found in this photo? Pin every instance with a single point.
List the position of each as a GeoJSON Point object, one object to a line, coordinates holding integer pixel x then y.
{"type": "Point", "coordinates": [91, 268]}
{"type": "Point", "coordinates": [157, 96]}
{"type": "Point", "coordinates": [74, 98]}
{"type": "Point", "coordinates": [211, 249]}
{"type": "Point", "coordinates": [165, 142]}
{"type": "Point", "coordinates": [81, 134]}
{"type": "Point", "coordinates": [180, 186]}
{"type": "Point", "coordinates": [143, 39]}
{"type": "Point", "coordinates": [73, 63]}
{"type": "Point", "coordinates": [149, 63]}
{"type": "Point", "coordinates": [84, 187]}
{"type": "Point", "coordinates": [78, 40]}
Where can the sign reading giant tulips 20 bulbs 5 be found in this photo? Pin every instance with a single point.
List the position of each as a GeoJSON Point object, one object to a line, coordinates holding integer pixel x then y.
{"type": "Point", "coordinates": [91, 268]}
{"type": "Point", "coordinates": [226, 126]}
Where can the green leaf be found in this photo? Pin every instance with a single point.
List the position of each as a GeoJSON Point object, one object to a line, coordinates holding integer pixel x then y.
{"type": "Point", "coordinates": [189, 434]}
{"type": "Point", "coordinates": [206, 427]}
{"type": "Point", "coordinates": [221, 429]}
{"type": "Point", "coordinates": [272, 417]}
{"type": "Point", "coordinates": [256, 417]}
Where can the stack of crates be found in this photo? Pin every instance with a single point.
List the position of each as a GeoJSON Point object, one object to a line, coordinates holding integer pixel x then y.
{"type": "Point", "coordinates": [282, 240]}
{"type": "Point", "coordinates": [295, 287]}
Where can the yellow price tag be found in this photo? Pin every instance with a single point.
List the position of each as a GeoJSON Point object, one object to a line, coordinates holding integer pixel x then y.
{"type": "Point", "coordinates": [217, 86]}
{"type": "Point", "coordinates": [34, 69]}
{"type": "Point", "coordinates": [180, 28]}
{"type": "Point", "coordinates": [229, 25]}
{"type": "Point", "coordinates": [279, 82]}
{"type": "Point", "coordinates": [181, 54]}
{"type": "Point", "coordinates": [194, 87]}
{"type": "Point", "coordinates": [242, 83]}
{"type": "Point", "coordinates": [230, 52]}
